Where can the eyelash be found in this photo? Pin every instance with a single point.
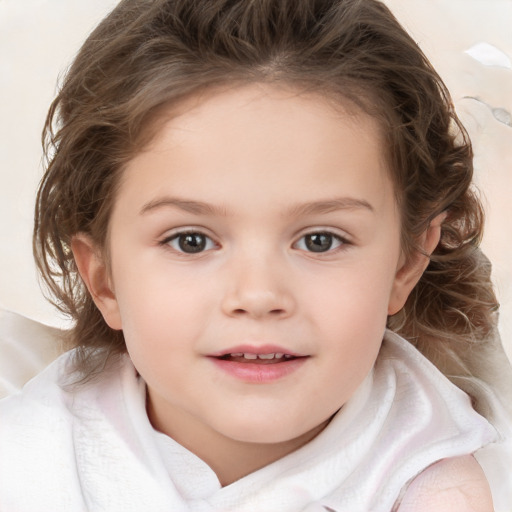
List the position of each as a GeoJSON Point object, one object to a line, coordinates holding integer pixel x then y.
{"type": "Point", "coordinates": [341, 242]}
{"type": "Point", "coordinates": [166, 242]}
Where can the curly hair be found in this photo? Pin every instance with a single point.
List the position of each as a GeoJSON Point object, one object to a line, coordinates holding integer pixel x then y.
{"type": "Point", "coordinates": [147, 55]}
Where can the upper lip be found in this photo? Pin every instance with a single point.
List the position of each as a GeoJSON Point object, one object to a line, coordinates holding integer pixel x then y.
{"type": "Point", "coordinates": [256, 349]}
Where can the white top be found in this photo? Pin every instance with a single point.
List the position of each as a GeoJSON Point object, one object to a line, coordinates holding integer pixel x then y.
{"type": "Point", "coordinates": [95, 450]}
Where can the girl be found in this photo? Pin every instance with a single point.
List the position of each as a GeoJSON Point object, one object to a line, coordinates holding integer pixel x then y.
{"type": "Point", "coordinates": [240, 197]}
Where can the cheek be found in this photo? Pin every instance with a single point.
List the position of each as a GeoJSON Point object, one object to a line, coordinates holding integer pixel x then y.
{"type": "Point", "coordinates": [159, 308]}
{"type": "Point", "coordinates": [352, 295]}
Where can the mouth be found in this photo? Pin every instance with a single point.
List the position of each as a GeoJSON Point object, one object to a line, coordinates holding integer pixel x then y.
{"type": "Point", "coordinates": [258, 365]}
{"type": "Point", "coordinates": [258, 354]}
{"type": "Point", "coordinates": [248, 357]}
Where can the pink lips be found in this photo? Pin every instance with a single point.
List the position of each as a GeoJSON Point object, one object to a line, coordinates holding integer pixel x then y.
{"type": "Point", "coordinates": [258, 370]}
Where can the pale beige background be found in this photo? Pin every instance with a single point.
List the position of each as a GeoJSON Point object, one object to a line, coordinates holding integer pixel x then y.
{"type": "Point", "coordinates": [38, 38]}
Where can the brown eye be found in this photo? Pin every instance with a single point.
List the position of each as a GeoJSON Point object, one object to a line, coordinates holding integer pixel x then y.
{"type": "Point", "coordinates": [319, 242]}
{"type": "Point", "coordinates": [190, 243]}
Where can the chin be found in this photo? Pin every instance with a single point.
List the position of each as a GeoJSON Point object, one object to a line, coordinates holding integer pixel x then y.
{"type": "Point", "coordinates": [270, 432]}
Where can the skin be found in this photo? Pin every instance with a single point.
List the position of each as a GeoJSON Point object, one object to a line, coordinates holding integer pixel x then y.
{"type": "Point", "coordinates": [456, 484]}
{"type": "Point", "coordinates": [254, 170]}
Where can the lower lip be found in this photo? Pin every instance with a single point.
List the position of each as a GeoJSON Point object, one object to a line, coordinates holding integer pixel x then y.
{"type": "Point", "coordinates": [259, 373]}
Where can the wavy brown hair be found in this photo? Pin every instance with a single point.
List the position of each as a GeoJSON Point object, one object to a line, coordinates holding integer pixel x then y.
{"type": "Point", "coordinates": [149, 54]}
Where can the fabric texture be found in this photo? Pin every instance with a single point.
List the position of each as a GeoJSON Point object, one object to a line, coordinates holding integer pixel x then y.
{"type": "Point", "coordinates": [26, 348]}
{"type": "Point", "coordinates": [93, 449]}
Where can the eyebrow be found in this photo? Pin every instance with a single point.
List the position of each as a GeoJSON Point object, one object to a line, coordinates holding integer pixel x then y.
{"type": "Point", "coordinates": [310, 208]}
{"type": "Point", "coordinates": [330, 205]}
{"type": "Point", "coordinates": [195, 207]}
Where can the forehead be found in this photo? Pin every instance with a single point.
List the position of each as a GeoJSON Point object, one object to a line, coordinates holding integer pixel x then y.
{"type": "Point", "coordinates": [259, 136]}
{"type": "Point", "coordinates": [255, 107]}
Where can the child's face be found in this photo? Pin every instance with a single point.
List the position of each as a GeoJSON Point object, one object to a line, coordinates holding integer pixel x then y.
{"type": "Point", "coordinates": [291, 245]}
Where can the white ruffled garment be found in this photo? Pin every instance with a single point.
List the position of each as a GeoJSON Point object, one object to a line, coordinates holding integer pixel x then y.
{"type": "Point", "coordinates": [94, 449]}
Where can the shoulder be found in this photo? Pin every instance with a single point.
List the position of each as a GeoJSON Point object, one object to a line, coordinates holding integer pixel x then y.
{"type": "Point", "coordinates": [39, 409]}
{"type": "Point", "coordinates": [456, 484]}
{"type": "Point", "coordinates": [49, 434]}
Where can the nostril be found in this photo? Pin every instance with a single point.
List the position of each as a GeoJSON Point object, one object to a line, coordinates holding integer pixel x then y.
{"type": "Point", "coordinates": [273, 312]}
{"type": "Point", "coordinates": [256, 305]}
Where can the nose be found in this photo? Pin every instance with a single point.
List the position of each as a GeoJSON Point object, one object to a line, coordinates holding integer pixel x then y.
{"type": "Point", "coordinates": [258, 289]}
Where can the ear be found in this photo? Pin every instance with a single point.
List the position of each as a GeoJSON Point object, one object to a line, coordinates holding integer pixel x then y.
{"type": "Point", "coordinates": [410, 271]}
{"type": "Point", "coordinates": [95, 275]}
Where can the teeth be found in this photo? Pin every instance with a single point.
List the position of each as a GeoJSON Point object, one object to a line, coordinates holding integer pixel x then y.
{"type": "Point", "coordinates": [277, 355]}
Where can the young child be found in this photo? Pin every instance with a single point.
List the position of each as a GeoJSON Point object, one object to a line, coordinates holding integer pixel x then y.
{"type": "Point", "coordinates": [248, 208]}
